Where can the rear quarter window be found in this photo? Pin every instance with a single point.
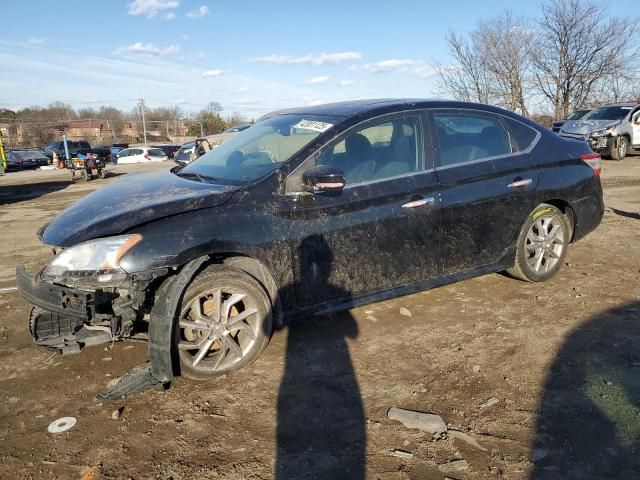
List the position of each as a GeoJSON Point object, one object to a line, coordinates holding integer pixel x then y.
{"type": "Point", "coordinates": [522, 135]}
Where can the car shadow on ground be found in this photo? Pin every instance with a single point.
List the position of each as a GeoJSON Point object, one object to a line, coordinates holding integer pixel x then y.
{"type": "Point", "coordinates": [588, 423]}
{"type": "Point", "coordinates": [321, 423]}
{"type": "Point", "coordinates": [28, 191]}
{"type": "Point", "coordinates": [622, 213]}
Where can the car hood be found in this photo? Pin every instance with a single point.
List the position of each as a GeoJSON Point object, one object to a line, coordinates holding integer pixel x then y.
{"type": "Point", "coordinates": [584, 127]}
{"type": "Point", "coordinates": [134, 200]}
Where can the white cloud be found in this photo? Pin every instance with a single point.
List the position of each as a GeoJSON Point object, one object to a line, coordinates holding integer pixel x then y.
{"type": "Point", "coordinates": [169, 16]}
{"type": "Point", "coordinates": [311, 59]}
{"type": "Point", "coordinates": [149, 49]}
{"type": "Point", "coordinates": [150, 8]}
{"type": "Point", "coordinates": [243, 89]}
{"type": "Point", "coordinates": [36, 41]}
{"type": "Point", "coordinates": [352, 68]}
{"type": "Point", "coordinates": [346, 83]}
{"type": "Point", "coordinates": [186, 37]}
{"type": "Point", "coordinates": [316, 80]}
{"type": "Point", "coordinates": [315, 102]}
{"type": "Point", "coordinates": [425, 71]}
{"type": "Point", "coordinates": [198, 12]}
{"type": "Point", "coordinates": [391, 65]}
{"type": "Point", "coordinates": [212, 73]}
{"type": "Point", "coordinates": [199, 55]}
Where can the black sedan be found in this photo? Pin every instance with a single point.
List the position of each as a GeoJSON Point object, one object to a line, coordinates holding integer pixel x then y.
{"type": "Point", "coordinates": [27, 158]}
{"type": "Point", "coordinates": [312, 209]}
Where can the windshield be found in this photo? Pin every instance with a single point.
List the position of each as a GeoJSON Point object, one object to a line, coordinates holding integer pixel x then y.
{"type": "Point", "coordinates": [608, 113]}
{"type": "Point", "coordinates": [26, 154]}
{"type": "Point", "coordinates": [260, 149]}
{"type": "Point", "coordinates": [578, 115]}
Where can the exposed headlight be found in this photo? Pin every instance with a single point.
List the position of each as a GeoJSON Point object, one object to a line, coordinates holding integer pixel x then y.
{"type": "Point", "coordinates": [604, 131]}
{"type": "Point", "coordinates": [100, 256]}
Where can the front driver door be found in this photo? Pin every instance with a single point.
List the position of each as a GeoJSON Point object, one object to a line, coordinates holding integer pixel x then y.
{"type": "Point", "coordinates": [381, 232]}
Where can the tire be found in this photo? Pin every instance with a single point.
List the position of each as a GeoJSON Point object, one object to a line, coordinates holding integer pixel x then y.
{"type": "Point", "coordinates": [216, 348]}
{"type": "Point", "coordinates": [539, 254]}
{"type": "Point", "coordinates": [102, 173]}
{"type": "Point", "coordinates": [620, 148]}
{"type": "Point", "coordinates": [84, 176]}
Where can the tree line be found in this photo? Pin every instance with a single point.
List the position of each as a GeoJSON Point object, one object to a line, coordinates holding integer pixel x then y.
{"type": "Point", "coordinates": [572, 56]}
{"type": "Point", "coordinates": [40, 125]}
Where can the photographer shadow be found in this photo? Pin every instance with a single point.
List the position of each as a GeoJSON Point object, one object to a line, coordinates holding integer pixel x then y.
{"type": "Point", "coordinates": [321, 426]}
{"type": "Point", "coordinates": [588, 424]}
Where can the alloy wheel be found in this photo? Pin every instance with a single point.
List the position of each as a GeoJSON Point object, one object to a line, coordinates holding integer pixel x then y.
{"type": "Point", "coordinates": [218, 328]}
{"type": "Point", "coordinates": [544, 244]}
{"type": "Point", "coordinates": [622, 148]}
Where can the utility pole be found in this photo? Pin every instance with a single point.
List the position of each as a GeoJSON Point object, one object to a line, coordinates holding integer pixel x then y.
{"type": "Point", "coordinates": [144, 125]}
{"type": "Point", "coordinates": [201, 131]}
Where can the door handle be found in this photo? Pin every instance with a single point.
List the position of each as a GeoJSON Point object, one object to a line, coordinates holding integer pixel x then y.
{"type": "Point", "coordinates": [419, 203]}
{"type": "Point", "coordinates": [520, 183]}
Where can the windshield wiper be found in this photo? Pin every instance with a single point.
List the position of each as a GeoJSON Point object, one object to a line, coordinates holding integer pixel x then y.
{"type": "Point", "coordinates": [199, 176]}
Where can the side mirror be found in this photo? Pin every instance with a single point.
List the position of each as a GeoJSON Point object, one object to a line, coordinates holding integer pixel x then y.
{"type": "Point", "coordinates": [324, 178]}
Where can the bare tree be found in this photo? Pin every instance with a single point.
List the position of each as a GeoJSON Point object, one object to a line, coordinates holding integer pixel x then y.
{"type": "Point", "coordinates": [468, 78]}
{"type": "Point", "coordinates": [576, 48]}
{"type": "Point", "coordinates": [504, 44]}
{"type": "Point", "coordinates": [491, 66]}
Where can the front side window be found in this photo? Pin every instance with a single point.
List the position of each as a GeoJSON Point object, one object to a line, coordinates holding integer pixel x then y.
{"type": "Point", "coordinates": [377, 151]}
{"type": "Point", "coordinates": [468, 137]}
{"type": "Point", "coordinates": [261, 149]}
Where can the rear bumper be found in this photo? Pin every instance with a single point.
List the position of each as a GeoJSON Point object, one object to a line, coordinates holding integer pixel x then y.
{"type": "Point", "coordinates": [588, 215]}
{"type": "Point", "coordinates": [54, 298]}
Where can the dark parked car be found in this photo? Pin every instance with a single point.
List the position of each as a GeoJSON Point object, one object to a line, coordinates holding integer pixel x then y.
{"type": "Point", "coordinates": [169, 149]}
{"type": "Point", "coordinates": [184, 153]}
{"type": "Point", "coordinates": [28, 158]}
{"type": "Point", "coordinates": [577, 115]}
{"type": "Point", "coordinates": [314, 209]}
{"type": "Point", "coordinates": [75, 148]}
{"type": "Point", "coordinates": [237, 128]}
{"type": "Point", "coordinates": [114, 152]}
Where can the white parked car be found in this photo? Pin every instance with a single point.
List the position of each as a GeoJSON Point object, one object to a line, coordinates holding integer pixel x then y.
{"type": "Point", "coordinates": [141, 155]}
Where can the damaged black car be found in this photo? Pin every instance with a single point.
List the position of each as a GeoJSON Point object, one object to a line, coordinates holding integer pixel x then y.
{"type": "Point", "coordinates": [311, 210]}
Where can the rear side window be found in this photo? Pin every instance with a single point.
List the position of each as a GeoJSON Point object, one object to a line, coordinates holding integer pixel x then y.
{"type": "Point", "coordinates": [522, 135]}
{"type": "Point", "coordinates": [469, 137]}
{"type": "Point", "coordinates": [156, 152]}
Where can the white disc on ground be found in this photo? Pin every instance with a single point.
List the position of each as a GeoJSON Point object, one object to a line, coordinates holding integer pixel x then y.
{"type": "Point", "coordinates": [62, 425]}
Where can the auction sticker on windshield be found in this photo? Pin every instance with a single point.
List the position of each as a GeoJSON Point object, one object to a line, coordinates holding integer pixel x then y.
{"type": "Point", "coordinates": [313, 125]}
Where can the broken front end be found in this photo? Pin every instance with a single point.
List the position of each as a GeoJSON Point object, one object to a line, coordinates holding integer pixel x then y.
{"type": "Point", "coordinates": [83, 297]}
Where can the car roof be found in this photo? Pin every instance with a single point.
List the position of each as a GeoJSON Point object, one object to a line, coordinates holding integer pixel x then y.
{"type": "Point", "coordinates": [622, 104]}
{"type": "Point", "coordinates": [372, 107]}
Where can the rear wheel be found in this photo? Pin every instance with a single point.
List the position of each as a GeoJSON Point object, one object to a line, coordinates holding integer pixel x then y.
{"type": "Point", "coordinates": [225, 323]}
{"type": "Point", "coordinates": [620, 148]}
{"type": "Point", "coordinates": [542, 244]}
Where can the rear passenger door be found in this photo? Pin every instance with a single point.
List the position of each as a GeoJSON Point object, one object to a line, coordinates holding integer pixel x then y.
{"type": "Point", "coordinates": [487, 179]}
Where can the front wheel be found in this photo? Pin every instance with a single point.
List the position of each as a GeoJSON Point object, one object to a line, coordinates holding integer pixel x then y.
{"type": "Point", "coordinates": [620, 148]}
{"type": "Point", "coordinates": [542, 244]}
{"type": "Point", "coordinates": [225, 323]}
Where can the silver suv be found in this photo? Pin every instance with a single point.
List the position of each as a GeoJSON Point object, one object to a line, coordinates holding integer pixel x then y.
{"type": "Point", "coordinates": [611, 130]}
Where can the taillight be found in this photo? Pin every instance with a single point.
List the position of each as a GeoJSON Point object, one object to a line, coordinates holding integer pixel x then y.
{"type": "Point", "coordinates": [594, 160]}
{"type": "Point", "coordinates": [147, 156]}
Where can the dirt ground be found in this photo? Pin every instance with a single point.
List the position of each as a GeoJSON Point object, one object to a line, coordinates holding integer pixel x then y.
{"type": "Point", "coordinates": [562, 359]}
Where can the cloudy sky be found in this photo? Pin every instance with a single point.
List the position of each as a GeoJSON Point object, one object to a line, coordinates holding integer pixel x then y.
{"type": "Point", "coordinates": [251, 56]}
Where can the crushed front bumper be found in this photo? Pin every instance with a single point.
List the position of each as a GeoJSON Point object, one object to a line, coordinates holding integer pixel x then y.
{"type": "Point", "coordinates": [58, 299]}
